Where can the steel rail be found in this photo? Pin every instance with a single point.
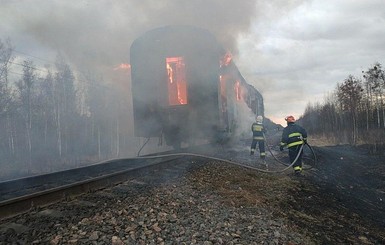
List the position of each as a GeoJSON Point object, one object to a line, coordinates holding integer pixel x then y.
{"type": "Point", "coordinates": [15, 206]}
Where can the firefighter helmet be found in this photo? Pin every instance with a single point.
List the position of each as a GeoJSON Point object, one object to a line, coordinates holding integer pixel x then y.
{"type": "Point", "coordinates": [259, 119]}
{"type": "Point", "coordinates": [289, 119]}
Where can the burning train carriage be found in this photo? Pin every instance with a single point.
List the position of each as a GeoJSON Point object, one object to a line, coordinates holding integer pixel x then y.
{"type": "Point", "coordinates": [253, 98]}
{"type": "Point", "coordinates": [181, 90]}
{"type": "Point", "coordinates": [242, 92]}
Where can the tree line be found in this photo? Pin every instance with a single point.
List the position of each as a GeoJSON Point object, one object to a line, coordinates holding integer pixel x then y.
{"type": "Point", "coordinates": [353, 113]}
{"type": "Point", "coordinates": [50, 120]}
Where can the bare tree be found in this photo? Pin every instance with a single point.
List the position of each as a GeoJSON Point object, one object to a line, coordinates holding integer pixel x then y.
{"type": "Point", "coordinates": [5, 61]}
{"type": "Point", "coordinates": [24, 88]}
{"type": "Point", "coordinates": [65, 103]}
{"type": "Point", "coordinates": [350, 94]}
{"type": "Point", "coordinates": [46, 118]}
{"type": "Point", "coordinates": [7, 145]}
{"type": "Point", "coordinates": [375, 87]}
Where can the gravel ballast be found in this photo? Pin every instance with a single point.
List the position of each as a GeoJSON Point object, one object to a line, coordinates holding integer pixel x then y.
{"type": "Point", "coordinates": [214, 204]}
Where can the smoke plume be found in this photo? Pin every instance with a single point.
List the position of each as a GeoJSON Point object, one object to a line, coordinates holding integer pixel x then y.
{"type": "Point", "coordinates": [98, 34]}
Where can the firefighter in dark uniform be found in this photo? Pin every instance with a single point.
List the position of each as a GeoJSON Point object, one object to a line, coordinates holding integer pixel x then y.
{"type": "Point", "coordinates": [293, 137]}
{"type": "Point", "coordinates": [258, 138]}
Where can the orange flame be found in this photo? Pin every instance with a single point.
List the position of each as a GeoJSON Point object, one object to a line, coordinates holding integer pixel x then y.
{"type": "Point", "coordinates": [123, 66]}
{"type": "Point", "coordinates": [238, 90]}
{"type": "Point", "coordinates": [226, 59]}
{"type": "Point", "coordinates": [169, 73]}
{"type": "Point", "coordinates": [177, 84]}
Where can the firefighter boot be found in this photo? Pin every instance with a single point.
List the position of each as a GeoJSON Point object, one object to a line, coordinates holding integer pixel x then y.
{"type": "Point", "coordinates": [264, 162]}
{"type": "Point", "coordinates": [298, 171]}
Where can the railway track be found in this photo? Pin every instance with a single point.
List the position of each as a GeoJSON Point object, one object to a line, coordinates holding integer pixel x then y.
{"type": "Point", "coordinates": [188, 197]}
{"type": "Point", "coordinates": [22, 195]}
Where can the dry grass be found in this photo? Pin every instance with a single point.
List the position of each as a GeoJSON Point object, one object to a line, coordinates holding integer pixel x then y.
{"type": "Point", "coordinates": [243, 187]}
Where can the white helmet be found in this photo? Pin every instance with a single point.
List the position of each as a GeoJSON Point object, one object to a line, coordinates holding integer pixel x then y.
{"type": "Point", "coordinates": [259, 119]}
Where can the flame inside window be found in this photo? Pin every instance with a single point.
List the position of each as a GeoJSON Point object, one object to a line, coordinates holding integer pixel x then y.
{"type": "Point", "coordinates": [177, 85]}
{"type": "Point", "coordinates": [238, 90]}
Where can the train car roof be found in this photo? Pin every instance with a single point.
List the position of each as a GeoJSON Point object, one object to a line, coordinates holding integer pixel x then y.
{"type": "Point", "coordinates": [177, 37]}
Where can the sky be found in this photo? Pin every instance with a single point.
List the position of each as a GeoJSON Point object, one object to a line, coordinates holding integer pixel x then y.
{"type": "Point", "coordinates": [293, 52]}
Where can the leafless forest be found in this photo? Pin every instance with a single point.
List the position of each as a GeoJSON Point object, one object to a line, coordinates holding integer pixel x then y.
{"type": "Point", "coordinates": [52, 118]}
{"type": "Point", "coordinates": [354, 113]}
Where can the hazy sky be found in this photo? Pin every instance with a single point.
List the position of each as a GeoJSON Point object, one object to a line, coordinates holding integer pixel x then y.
{"type": "Point", "coordinates": [293, 52]}
{"type": "Point", "coordinates": [295, 56]}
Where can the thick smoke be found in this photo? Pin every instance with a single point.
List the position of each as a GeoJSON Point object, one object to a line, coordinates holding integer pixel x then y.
{"type": "Point", "coordinates": [95, 36]}
{"type": "Point", "coordinates": [98, 34]}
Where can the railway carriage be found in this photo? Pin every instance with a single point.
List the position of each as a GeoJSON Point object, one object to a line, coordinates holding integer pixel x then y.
{"type": "Point", "coordinates": [185, 88]}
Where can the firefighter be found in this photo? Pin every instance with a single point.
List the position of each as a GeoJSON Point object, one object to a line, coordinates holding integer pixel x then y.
{"type": "Point", "coordinates": [293, 137]}
{"type": "Point", "coordinates": [258, 137]}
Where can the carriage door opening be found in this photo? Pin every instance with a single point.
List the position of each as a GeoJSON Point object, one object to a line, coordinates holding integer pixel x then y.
{"type": "Point", "coordinates": [176, 81]}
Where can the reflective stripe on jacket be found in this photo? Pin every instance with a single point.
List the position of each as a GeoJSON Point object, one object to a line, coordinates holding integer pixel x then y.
{"type": "Point", "coordinates": [293, 135]}
{"type": "Point", "coordinates": [258, 129]}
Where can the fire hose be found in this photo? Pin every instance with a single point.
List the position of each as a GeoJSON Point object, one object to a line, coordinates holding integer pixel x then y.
{"type": "Point", "coordinates": [288, 166]}
{"type": "Point", "coordinates": [218, 159]}
{"type": "Point", "coordinates": [307, 167]}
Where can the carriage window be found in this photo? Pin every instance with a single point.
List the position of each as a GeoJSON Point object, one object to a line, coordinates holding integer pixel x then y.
{"type": "Point", "coordinates": [176, 76]}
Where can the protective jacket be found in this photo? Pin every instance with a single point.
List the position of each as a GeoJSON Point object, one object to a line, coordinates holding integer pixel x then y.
{"type": "Point", "coordinates": [258, 129]}
{"type": "Point", "coordinates": [293, 135]}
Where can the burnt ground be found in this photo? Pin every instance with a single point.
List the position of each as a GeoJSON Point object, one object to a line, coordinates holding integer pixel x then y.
{"type": "Point", "coordinates": [339, 201]}
{"type": "Point", "coordinates": [346, 193]}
